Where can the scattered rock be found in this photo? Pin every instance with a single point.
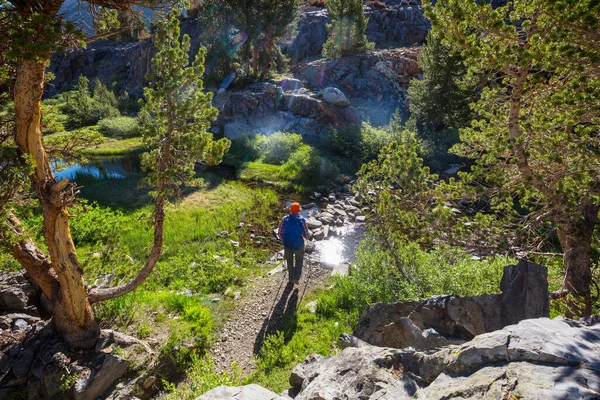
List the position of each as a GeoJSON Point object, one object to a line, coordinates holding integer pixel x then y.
{"type": "Point", "coordinates": [312, 306]}
{"type": "Point", "coordinates": [97, 384]}
{"type": "Point", "coordinates": [271, 88]}
{"type": "Point", "coordinates": [276, 270]}
{"type": "Point", "coordinates": [19, 325]}
{"type": "Point", "coordinates": [453, 170]}
{"type": "Point", "coordinates": [151, 380]}
{"type": "Point", "coordinates": [16, 292]}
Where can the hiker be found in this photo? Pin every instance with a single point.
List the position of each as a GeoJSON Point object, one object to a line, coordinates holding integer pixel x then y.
{"type": "Point", "coordinates": [292, 232]}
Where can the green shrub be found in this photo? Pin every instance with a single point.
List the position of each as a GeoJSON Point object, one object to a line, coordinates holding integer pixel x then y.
{"type": "Point", "coordinates": [92, 224]}
{"type": "Point", "coordinates": [379, 276]}
{"type": "Point", "coordinates": [119, 311]}
{"type": "Point", "coordinates": [201, 377]}
{"type": "Point", "coordinates": [245, 148]}
{"type": "Point", "coordinates": [304, 164]}
{"type": "Point", "coordinates": [120, 127]}
{"type": "Point", "coordinates": [194, 326]}
{"type": "Point", "coordinates": [360, 143]}
{"type": "Point", "coordinates": [83, 108]}
{"type": "Point", "coordinates": [278, 147]}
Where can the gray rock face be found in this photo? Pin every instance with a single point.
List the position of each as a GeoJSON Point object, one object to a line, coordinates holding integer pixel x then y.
{"type": "Point", "coordinates": [108, 61]}
{"type": "Point", "coordinates": [534, 359]}
{"type": "Point", "coordinates": [523, 296]}
{"type": "Point", "coordinates": [95, 385]}
{"type": "Point", "coordinates": [291, 84]}
{"type": "Point", "coordinates": [248, 392]}
{"type": "Point", "coordinates": [16, 292]}
{"type": "Point", "coordinates": [397, 24]}
{"type": "Point", "coordinates": [128, 63]}
{"type": "Point", "coordinates": [442, 320]}
{"type": "Point", "coordinates": [355, 373]}
{"type": "Point", "coordinates": [374, 83]}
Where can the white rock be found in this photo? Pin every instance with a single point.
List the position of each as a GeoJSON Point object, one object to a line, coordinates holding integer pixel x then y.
{"type": "Point", "coordinates": [334, 96]}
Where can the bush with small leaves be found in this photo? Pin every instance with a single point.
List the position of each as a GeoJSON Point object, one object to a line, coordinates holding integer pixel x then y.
{"type": "Point", "coordinates": [120, 127]}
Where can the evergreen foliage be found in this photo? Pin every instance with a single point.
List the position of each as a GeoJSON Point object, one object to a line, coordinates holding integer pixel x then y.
{"type": "Point", "coordinates": [180, 113]}
{"type": "Point", "coordinates": [242, 35]}
{"type": "Point", "coordinates": [84, 108]}
{"type": "Point", "coordinates": [440, 101]}
{"type": "Point", "coordinates": [536, 138]}
{"type": "Point", "coordinates": [347, 29]}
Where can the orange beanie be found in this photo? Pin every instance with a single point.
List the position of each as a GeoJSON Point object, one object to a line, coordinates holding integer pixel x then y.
{"type": "Point", "coordinates": [295, 208]}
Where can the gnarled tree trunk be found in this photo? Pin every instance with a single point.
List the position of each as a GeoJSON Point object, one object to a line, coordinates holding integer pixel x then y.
{"type": "Point", "coordinates": [576, 241]}
{"type": "Point", "coordinates": [73, 316]}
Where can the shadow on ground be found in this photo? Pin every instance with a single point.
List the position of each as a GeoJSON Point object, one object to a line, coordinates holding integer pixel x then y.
{"type": "Point", "coordinates": [282, 317]}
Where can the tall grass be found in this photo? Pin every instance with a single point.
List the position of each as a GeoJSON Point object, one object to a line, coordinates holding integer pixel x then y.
{"type": "Point", "coordinates": [116, 147]}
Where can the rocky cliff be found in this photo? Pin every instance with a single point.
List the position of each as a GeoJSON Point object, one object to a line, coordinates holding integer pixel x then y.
{"type": "Point", "coordinates": [127, 63]}
{"type": "Point", "coordinates": [355, 89]}
{"type": "Point", "coordinates": [398, 24]}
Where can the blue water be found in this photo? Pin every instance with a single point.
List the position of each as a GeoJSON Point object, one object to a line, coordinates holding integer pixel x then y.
{"type": "Point", "coordinates": [104, 168]}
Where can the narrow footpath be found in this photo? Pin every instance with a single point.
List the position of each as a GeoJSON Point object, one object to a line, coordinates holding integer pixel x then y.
{"type": "Point", "coordinates": [268, 304]}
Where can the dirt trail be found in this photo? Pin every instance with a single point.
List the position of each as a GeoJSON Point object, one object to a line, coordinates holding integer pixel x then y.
{"type": "Point", "coordinates": [265, 308]}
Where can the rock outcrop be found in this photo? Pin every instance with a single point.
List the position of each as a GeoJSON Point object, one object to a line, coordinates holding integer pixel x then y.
{"type": "Point", "coordinates": [34, 361]}
{"type": "Point", "coordinates": [355, 89]}
{"type": "Point", "coordinates": [375, 83]}
{"type": "Point", "coordinates": [443, 320]}
{"type": "Point", "coordinates": [534, 359]}
{"type": "Point", "coordinates": [398, 23]}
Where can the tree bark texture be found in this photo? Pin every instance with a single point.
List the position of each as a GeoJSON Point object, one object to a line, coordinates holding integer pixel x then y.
{"type": "Point", "coordinates": [574, 231]}
{"type": "Point", "coordinates": [73, 316]}
{"type": "Point", "coordinates": [576, 240]}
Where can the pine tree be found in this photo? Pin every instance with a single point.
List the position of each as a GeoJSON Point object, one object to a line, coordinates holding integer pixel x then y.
{"type": "Point", "coordinates": [440, 100]}
{"type": "Point", "coordinates": [179, 113]}
{"type": "Point", "coordinates": [536, 139]}
{"type": "Point", "coordinates": [347, 29]}
{"type": "Point", "coordinates": [260, 25]}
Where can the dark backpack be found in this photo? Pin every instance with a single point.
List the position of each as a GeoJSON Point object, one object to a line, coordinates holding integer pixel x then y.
{"type": "Point", "coordinates": [293, 229]}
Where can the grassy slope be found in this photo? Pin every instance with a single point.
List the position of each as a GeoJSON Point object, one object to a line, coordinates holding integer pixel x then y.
{"type": "Point", "coordinates": [116, 147]}
{"type": "Point", "coordinates": [174, 306]}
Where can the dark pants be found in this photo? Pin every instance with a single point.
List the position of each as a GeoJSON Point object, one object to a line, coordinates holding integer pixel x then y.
{"type": "Point", "coordinates": [294, 268]}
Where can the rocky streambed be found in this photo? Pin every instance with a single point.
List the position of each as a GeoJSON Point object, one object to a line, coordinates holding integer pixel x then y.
{"type": "Point", "coordinates": [337, 223]}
